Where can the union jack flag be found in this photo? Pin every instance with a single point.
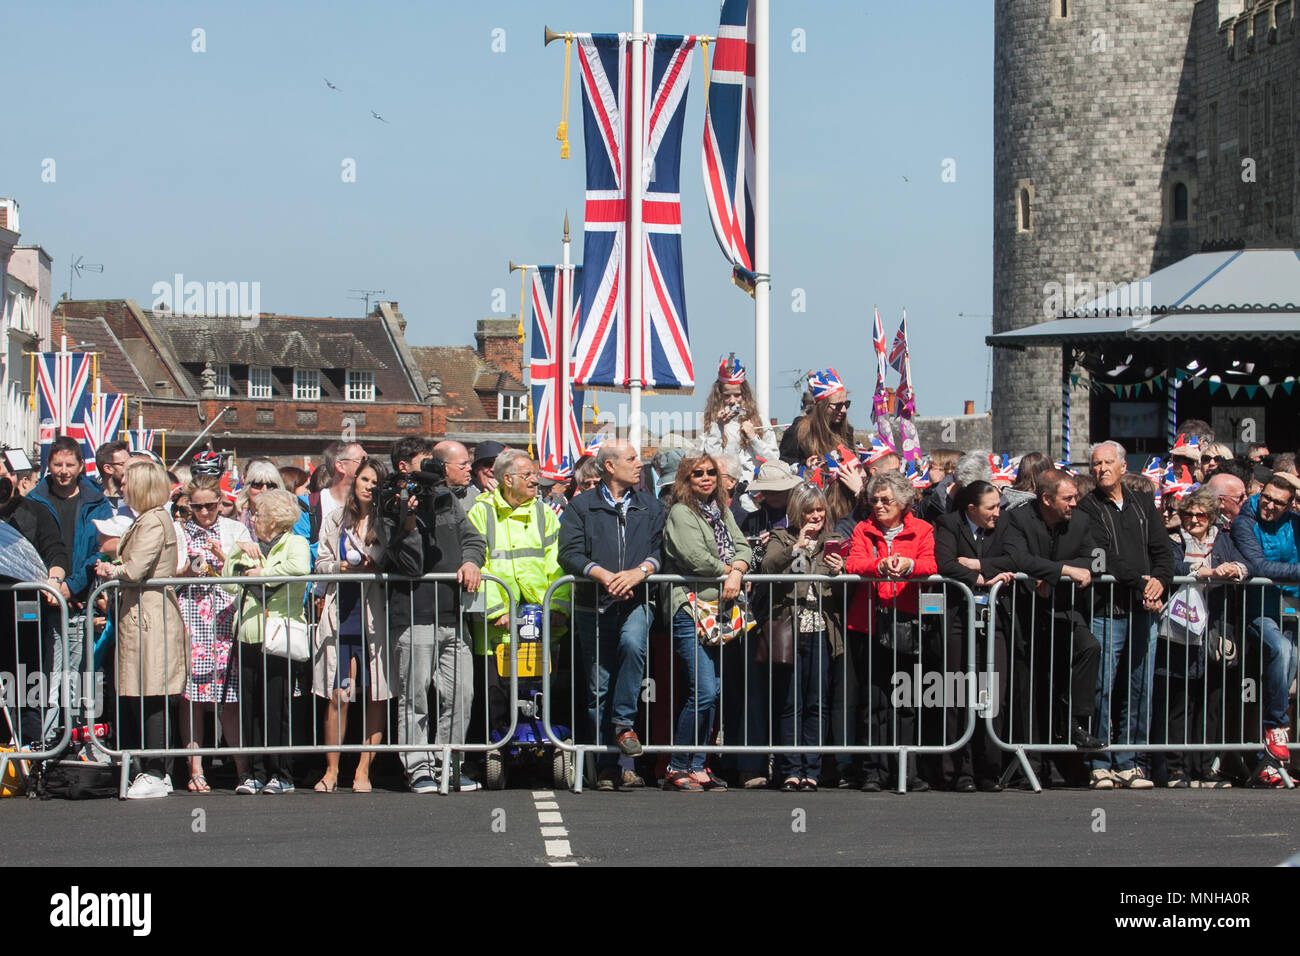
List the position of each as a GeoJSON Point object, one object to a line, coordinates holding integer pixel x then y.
{"type": "Point", "coordinates": [62, 378]}
{"type": "Point", "coordinates": [555, 417]}
{"type": "Point", "coordinates": [102, 425]}
{"type": "Point", "coordinates": [880, 401]}
{"type": "Point", "coordinates": [603, 354]}
{"type": "Point", "coordinates": [729, 140]}
{"type": "Point", "coordinates": [140, 439]}
{"type": "Point", "coordinates": [1003, 468]}
{"type": "Point", "coordinates": [899, 349]}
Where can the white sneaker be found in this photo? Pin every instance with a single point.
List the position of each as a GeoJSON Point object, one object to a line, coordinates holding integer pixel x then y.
{"type": "Point", "coordinates": [146, 787]}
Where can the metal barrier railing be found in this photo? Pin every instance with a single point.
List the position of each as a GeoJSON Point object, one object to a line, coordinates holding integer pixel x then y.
{"type": "Point", "coordinates": [899, 675]}
{"type": "Point", "coordinates": [1142, 662]}
{"type": "Point", "coordinates": [38, 715]}
{"type": "Point", "coordinates": [275, 676]}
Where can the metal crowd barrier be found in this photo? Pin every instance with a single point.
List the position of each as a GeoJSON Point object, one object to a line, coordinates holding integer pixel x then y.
{"type": "Point", "coordinates": [35, 677]}
{"type": "Point", "coordinates": [946, 658]}
{"type": "Point", "coordinates": [1197, 694]}
{"type": "Point", "coordinates": [294, 738]}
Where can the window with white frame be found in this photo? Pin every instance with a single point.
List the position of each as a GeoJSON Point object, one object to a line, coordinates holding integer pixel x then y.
{"type": "Point", "coordinates": [360, 385]}
{"type": "Point", "coordinates": [259, 382]}
{"type": "Point", "coordinates": [223, 380]}
{"type": "Point", "coordinates": [511, 408]}
{"type": "Point", "coordinates": [306, 385]}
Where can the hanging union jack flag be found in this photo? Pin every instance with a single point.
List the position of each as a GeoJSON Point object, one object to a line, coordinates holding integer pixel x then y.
{"type": "Point", "coordinates": [62, 378]}
{"type": "Point", "coordinates": [140, 439]}
{"type": "Point", "coordinates": [101, 425]}
{"type": "Point", "coordinates": [603, 353]}
{"type": "Point", "coordinates": [556, 416]}
{"type": "Point", "coordinates": [729, 140]}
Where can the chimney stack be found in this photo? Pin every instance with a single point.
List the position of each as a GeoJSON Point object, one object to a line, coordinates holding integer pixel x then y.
{"type": "Point", "coordinates": [970, 407]}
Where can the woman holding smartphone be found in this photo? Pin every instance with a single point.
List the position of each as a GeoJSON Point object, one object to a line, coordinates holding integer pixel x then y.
{"type": "Point", "coordinates": [732, 422]}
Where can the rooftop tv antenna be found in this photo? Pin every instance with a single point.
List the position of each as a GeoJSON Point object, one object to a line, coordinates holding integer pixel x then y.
{"type": "Point", "coordinates": [79, 265]}
{"type": "Point", "coordinates": [365, 294]}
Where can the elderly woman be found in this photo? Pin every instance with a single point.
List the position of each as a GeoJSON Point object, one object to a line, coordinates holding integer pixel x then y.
{"type": "Point", "coordinates": [894, 545]}
{"type": "Point", "coordinates": [151, 646]}
{"type": "Point", "coordinates": [701, 539]}
{"type": "Point", "coordinates": [1193, 691]}
{"type": "Point", "coordinates": [266, 682]}
{"type": "Point", "coordinates": [260, 474]}
{"type": "Point", "coordinates": [585, 477]}
{"type": "Point", "coordinates": [815, 612]}
{"type": "Point", "coordinates": [352, 639]}
{"type": "Point", "coordinates": [209, 614]}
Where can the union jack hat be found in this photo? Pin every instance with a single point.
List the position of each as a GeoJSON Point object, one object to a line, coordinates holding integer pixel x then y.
{"type": "Point", "coordinates": [1003, 469]}
{"type": "Point", "coordinates": [1178, 483]}
{"type": "Point", "coordinates": [878, 450]}
{"type": "Point", "coordinates": [593, 445]}
{"type": "Point", "coordinates": [918, 474]}
{"type": "Point", "coordinates": [731, 372]}
{"type": "Point", "coordinates": [1155, 469]}
{"type": "Point", "coordinates": [1187, 446]}
{"type": "Point", "coordinates": [230, 486]}
{"type": "Point", "coordinates": [824, 384]}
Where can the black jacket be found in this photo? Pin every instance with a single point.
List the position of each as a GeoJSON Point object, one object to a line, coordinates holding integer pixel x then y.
{"type": "Point", "coordinates": [35, 523]}
{"type": "Point", "coordinates": [1041, 552]}
{"type": "Point", "coordinates": [443, 548]}
{"type": "Point", "coordinates": [594, 534]}
{"type": "Point", "coordinates": [953, 539]}
{"type": "Point", "coordinates": [1136, 544]}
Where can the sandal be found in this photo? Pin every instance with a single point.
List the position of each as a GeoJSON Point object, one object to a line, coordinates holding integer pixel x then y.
{"type": "Point", "coordinates": [808, 785]}
{"type": "Point", "coordinates": [361, 786]}
{"type": "Point", "coordinates": [326, 786]}
{"type": "Point", "coordinates": [791, 785]}
{"type": "Point", "coordinates": [199, 784]}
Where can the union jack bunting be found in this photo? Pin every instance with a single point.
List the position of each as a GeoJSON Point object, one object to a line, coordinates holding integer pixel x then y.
{"type": "Point", "coordinates": [556, 418]}
{"type": "Point", "coordinates": [729, 140]}
{"type": "Point", "coordinates": [62, 378]}
{"type": "Point", "coordinates": [101, 425]}
{"type": "Point", "coordinates": [603, 353]}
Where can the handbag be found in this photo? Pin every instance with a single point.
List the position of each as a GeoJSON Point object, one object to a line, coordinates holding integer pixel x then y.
{"type": "Point", "coordinates": [898, 632]}
{"type": "Point", "coordinates": [719, 622]}
{"type": "Point", "coordinates": [776, 641]}
{"type": "Point", "coordinates": [285, 637]}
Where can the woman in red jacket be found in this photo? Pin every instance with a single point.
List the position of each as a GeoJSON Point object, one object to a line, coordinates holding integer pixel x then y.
{"type": "Point", "coordinates": [884, 629]}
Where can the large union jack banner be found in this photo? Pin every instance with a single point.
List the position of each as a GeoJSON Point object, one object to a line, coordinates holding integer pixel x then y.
{"type": "Point", "coordinates": [555, 421]}
{"type": "Point", "coordinates": [101, 425]}
{"type": "Point", "coordinates": [603, 353]}
{"type": "Point", "coordinates": [61, 378]}
{"type": "Point", "coordinates": [729, 140]}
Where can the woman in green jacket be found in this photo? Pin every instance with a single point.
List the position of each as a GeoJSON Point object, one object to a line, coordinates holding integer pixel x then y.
{"type": "Point", "coordinates": [701, 539]}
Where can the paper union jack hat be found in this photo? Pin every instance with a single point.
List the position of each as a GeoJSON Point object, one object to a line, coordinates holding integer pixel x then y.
{"type": "Point", "coordinates": [1003, 469]}
{"type": "Point", "coordinates": [878, 450]}
{"type": "Point", "coordinates": [593, 445]}
{"type": "Point", "coordinates": [1187, 446]}
{"type": "Point", "coordinates": [1155, 469]}
{"type": "Point", "coordinates": [731, 372]}
{"type": "Point", "coordinates": [824, 384]}
{"type": "Point", "coordinates": [1064, 466]}
{"type": "Point", "coordinates": [561, 472]}
{"type": "Point", "coordinates": [1178, 483]}
{"type": "Point", "coordinates": [230, 486]}
{"type": "Point", "coordinates": [918, 474]}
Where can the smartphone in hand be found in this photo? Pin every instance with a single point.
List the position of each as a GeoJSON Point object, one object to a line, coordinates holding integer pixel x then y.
{"type": "Point", "coordinates": [840, 548]}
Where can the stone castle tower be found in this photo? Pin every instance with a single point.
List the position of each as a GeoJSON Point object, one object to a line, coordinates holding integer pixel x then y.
{"type": "Point", "coordinates": [1094, 125]}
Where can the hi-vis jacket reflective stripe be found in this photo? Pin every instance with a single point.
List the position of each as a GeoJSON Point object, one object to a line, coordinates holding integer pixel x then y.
{"type": "Point", "coordinates": [523, 550]}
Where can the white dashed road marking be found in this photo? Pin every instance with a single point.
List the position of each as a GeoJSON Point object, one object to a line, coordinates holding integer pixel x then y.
{"type": "Point", "coordinates": [554, 833]}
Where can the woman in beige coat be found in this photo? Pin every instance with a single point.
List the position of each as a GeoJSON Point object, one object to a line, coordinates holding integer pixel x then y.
{"type": "Point", "coordinates": [152, 649]}
{"type": "Point", "coordinates": [351, 648]}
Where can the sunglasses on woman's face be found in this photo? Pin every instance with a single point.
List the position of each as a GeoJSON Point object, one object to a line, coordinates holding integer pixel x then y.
{"type": "Point", "coordinates": [836, 406]}
{"type": "Point", "coordinates": [701, 472]}
{"type": "Point", "coordinates": [183, 512]}
{"type": "Point", "coordinates": [204, 505]}
{"type": "Point", "coordinates": [1195, 516]}
{"type": "Point", "coordinates": [261, 484]}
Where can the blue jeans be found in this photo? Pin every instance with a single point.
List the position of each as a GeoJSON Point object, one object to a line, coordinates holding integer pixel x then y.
{"type": "Point", "coordinates": [804, 716]}
{"type": "Point", "coordinates": [1138, 632]}
{"type": "Point", "coordinates": [1279, 669]}
{"type": "Point", "coordinates": [695, 722]}
{"type": "Point", "coordinates": [612, 644]}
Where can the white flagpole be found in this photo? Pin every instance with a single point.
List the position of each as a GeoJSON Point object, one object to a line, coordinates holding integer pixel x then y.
{"type": "Point", "coordinates": [96, 410]}
{"type": "Point", "coordinates": [563, 349]}
{"type": "Point", "coordinates": [633, 187]}
{"type": "Point", "coordinates": [63, 380]}
{"type": "Point", "coordinates": [762, 265]}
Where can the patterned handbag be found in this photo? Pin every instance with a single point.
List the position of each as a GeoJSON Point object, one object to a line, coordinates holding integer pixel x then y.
{"type": "Point", "coordinates": [714, 626]}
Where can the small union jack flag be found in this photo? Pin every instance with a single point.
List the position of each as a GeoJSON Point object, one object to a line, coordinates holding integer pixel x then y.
{"type": "Point", "coordinates": [556, 414]}
{"type": "Point", "coordinates": [603, 355]}
{"type": "Point", "coordinates": [140, 439]}
{"type": "Point", "coordinates": [102, 425]}
{"type": "Point", "coordinates": [899, 349]}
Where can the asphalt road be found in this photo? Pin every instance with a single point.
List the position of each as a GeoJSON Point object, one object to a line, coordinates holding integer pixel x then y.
{"type": "Point", "coordinates": [652, 828]}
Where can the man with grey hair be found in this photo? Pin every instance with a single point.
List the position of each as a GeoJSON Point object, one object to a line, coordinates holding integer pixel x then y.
{"type": "Point", "coordinates": [610, 539]}
{"type": "Point", "coordinates": [1126, 614]}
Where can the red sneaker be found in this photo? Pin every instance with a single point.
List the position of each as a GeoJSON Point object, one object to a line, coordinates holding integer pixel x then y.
{"type": "Point", "coordinates": [628, 743]}
{"type": "Point", "coordinates": [1269, 777]}
{"type": "Point", "coordinates": [681, 780]}
{"type": "Point", "coordinates": [1275, 742]}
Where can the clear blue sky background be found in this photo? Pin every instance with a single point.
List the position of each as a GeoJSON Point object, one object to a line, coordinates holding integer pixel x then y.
{"type": "Point", "coordinates": [225, 166]}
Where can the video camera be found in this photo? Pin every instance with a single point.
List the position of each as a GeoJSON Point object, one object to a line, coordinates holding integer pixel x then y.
{"type": "Point", "coordinates": [427, 486]}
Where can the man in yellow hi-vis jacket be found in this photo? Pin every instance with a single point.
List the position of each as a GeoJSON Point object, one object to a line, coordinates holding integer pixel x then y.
{"type": "Point", "coordinates": [523, 551]}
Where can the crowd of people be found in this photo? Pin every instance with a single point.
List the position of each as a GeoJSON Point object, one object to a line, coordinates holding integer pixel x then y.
{"type": "Point", "coordinates": [1096, 652]}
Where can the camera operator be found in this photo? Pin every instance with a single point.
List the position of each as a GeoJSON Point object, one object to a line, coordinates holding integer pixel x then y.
{"type": "Point", "coordinates": [424, 529]}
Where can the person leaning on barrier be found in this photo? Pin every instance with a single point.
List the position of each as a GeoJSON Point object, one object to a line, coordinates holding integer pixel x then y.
{"type": "Point", "coordinates": [523, 550]}
{"type": "Point", "coordinates": [1198, 643]}
{"type": "Point", "coordinates": [895, 545]}
{"type": "Point", "coordinates": [351, 646]}
{"type": "Point", "coordinates": [152, 647]}
{"type": "Point", "coordinates": [612, 536]}
{"type": "Point", "coordinates": [701, 539]}
{"type": "Point", "coordinates": [1267, 533]}
{"type": "Point", "coordinates": [266, 682]}
{"type": "Point", "coordinates": [803, 686]}
{"type": "Point", "coordinates": [429, 534]}
{"type": "Point", "coordinates": [1126, 614]}
{"type": "Point", "coordinates": [1054, 542]}
{"type": "Point", "coordinates": [970, 547]}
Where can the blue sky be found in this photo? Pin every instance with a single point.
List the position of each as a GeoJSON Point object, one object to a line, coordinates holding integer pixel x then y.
{"type": "Point", "coordinates": [225, 166]}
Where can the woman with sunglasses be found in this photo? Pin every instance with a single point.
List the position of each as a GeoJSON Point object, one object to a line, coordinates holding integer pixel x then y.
{"type": "Point", "coordinates": [1187, 701]}
{"type": "Point", "coordinates": [823, 432]}
{"type": "Point", "coordinates": [260, 474]}
{"type": "Point", "coordinates": [212, 687]}
{"type": "Point", "coordinates": [701, 539]}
